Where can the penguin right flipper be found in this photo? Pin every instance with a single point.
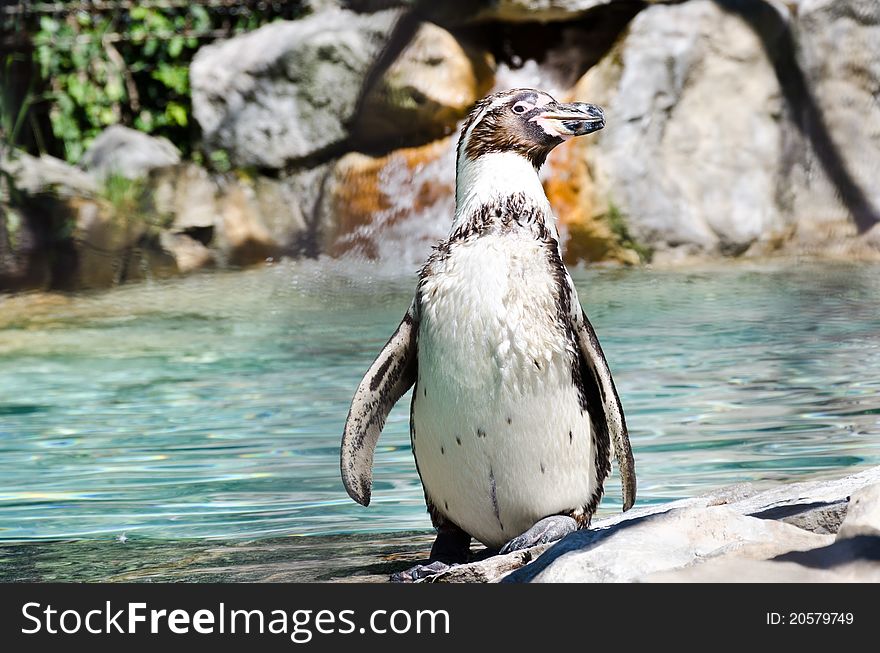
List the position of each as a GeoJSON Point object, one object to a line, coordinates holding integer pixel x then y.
{"type": "Point", "coordinates": [616, 423]}
{"type": "Point", "coordinates": [389, 377]}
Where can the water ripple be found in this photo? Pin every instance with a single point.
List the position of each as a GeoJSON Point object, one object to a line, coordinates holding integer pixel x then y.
{"type": "Point", "coordinates": [213, 406]}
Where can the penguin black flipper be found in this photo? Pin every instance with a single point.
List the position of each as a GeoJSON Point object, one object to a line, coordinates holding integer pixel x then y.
{"type": "Point", "coordinates": [389, 377]}
{"type": "Point", "coordinates": [600, 375]}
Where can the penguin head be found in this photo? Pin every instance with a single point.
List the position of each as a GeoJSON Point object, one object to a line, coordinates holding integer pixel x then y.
{"type": "Point", "coordinates": [527, 122]}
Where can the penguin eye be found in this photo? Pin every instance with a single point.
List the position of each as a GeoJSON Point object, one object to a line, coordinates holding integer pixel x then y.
{"type": "Point", "coordinates": [521, 107]}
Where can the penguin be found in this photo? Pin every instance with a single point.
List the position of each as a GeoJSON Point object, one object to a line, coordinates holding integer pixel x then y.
{"type": "Point", "coordinates": [514, 416]}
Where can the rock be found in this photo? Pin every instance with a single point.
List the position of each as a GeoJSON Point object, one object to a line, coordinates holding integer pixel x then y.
{"type": "Point", "coordinates": [288, 90]}
{"type": "Point", "coordinates": [839, 48]}
{"type": "Point", "coordinates": [243, 236]}
{"type": "Point", "coordinates": [111, 247]}
{"type": "Point", "coordinates": [24, 260]}
{"type": "Point", "coordinates": [863, 515]}
{"type": "Point", "coordinates": [812, 507]}
{"type": "Point", "coordinates": [669, 540]}
{"type": "Point", "coordinates": [430, 87]}
{"type": "Point", "coordinates": [45, 175]}
{"type": "Point", "coordinates": [793, 498]}
{"type": "Point", "coordinates": [542, 11]}
{"type": "Point", "coordinates": [259, 220]}
{"type": "Point", "coordinates": [726, 570]}
{"type": "Point", "coordinates": [247, 219]}
{"type": "Point", "coordinates": [187, 196]}
{"type": "Point", "coordinates": [128, 153]}
{"type": "Point", "coordinates": [189, 254]}
{"type": "Point", "coordinates": [690, 157]}
{"type": "Point", "coordinates": [586, 230]}
{"type": "Point", "coordinates": [489, 569]}
{"type": "Point", "coordinates": [819, 517]}
{"type": "Point", "coordinates": [391, 204]}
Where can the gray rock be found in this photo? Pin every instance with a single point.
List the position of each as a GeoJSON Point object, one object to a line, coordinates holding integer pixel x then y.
{"type": "Point", "coordinates": [187, 195]}
{"type": "Point", "coordinates": [430, 87]}
{"type": "Point", "coordinates": [245, 219]}
{"type": "Point", "coordinates": [839, 42]}
{"type": "Point", "coordinates": [189, 254]}
{"type": "Point", "coordinates": [732, 570]}
{"type": "Point", "coordinates": [794, 498]}
{"type": "Point", "coordinates": [691, 153]}
{"type": "Point", "coordinates": [45, 175]}
{"type": "Point", "coordinates": [814, 508]}
{"type": "Point", "coordinates": [287, 90]}
{"type": "Point", "coordinates": [129, 153]}
{"type": "Point", "coordinates": [542, 11]}
{"type": "Point", "coordinates": [863, 516]}
{"type": "Point", "coordinates": [818, 517]}
{"type": "Point", "coordinates": [669, 540]}
{"type": "Point", "coordinates": [490, 569]}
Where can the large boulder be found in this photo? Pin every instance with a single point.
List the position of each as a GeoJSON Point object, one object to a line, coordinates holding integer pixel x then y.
{"type": "Point", "coordinates": [863, 516]}
{"type": "Point", "coordinates": [669, 540]}
{"type": "Point", "coordinates": [43, 175]}
{"type": "Point", "coordinates": [734, 527]}
{"type": "Point", "coordinates": [690, 158]}
{"type": "Point", "coordinates": [839, 51]}
{"type": "Point", "coordinates": [128, 153]}
{"type": "Point", "coordinates": [426, 91]}
{"type": "Point", "coordinates": [111, 245]}
{"type": "Point", "coordinates": [288, 90]}
{"type": "Point", "coordinates": [588, 232]}
{"type": "Point", "coordinates": [39, 201]}
{"type": "Point", "coordinates": [227, 219]}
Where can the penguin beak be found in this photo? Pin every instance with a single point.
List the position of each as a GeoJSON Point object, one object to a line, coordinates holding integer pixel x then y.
{"type": "Point", "coordinates": [569, 120]}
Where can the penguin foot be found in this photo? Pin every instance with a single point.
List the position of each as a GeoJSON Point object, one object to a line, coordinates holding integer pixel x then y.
{"type": "Point", "coordinates": [420, 572]}
{"type": "Point", "coordinates": [451, 548]}
{"type": "Point", "coordinates": [547, 530]}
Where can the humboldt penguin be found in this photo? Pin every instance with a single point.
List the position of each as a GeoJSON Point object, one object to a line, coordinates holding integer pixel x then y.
{"type": "Point", "coordinates": [514, 416]}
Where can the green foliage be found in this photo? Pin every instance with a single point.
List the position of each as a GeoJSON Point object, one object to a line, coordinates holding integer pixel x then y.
{"type": "Point", "coordinates": [100, 77]}
{"type": "Point", "coordinates": [129, 201]}
{"type": "Point", "coordinates": [617, 222]}
{"type": "Point", "coordinates": [126, 64]}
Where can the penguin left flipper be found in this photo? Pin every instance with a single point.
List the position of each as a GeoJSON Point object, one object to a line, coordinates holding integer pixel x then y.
{"type": "Point", "coordinates": [592, 355]}
{"type": "Point", "coordinates": [389, 377]}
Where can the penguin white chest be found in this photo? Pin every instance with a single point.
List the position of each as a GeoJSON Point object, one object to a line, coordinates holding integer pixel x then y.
{"type": "Point", "coordinates": [499, 434]}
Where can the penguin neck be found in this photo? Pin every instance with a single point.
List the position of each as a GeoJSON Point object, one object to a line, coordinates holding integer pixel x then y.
{"type": "Point", "coordinates": [493, 178]}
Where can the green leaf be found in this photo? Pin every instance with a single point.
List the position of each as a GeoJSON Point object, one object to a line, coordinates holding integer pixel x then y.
{"type": "Point", "coordinates": [76, 89]}
{"type": "Point", "coordinates": [175, 47]}
{"type": "Point", "coordinates": [114, 89]}
{"type": "Point", "coordinates": [176, 114]}
{"type": "Point", "coordinates": [107, 116]}
{"type": "Point", "coordinates": [174, 77]}
{"type": "Point", "coordinates": [201, 19]}
{"type": "Point", "coordinates": [144, 121]}
{"type": "Point", "coordinates": [49, 25]}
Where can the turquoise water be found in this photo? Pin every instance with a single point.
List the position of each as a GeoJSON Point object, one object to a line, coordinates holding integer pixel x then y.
{"type": "Point", "coordinates": [212, 406]}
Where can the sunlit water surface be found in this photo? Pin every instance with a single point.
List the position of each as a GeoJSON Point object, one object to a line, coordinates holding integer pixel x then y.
{"type": "Point", "coordinates": [213, 406]}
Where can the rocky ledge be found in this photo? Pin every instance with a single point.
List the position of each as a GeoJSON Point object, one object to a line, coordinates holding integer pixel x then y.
{"type": "Point", "coordinates": [817, 531]}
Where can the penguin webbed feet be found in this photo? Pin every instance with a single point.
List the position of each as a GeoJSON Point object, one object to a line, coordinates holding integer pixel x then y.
{"type": "Point", "coordinates": [420, 572]}
{"type": "Point", "coordinates": [451, 548]}
{"type": "Point", "coordinates": [549, 529]}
